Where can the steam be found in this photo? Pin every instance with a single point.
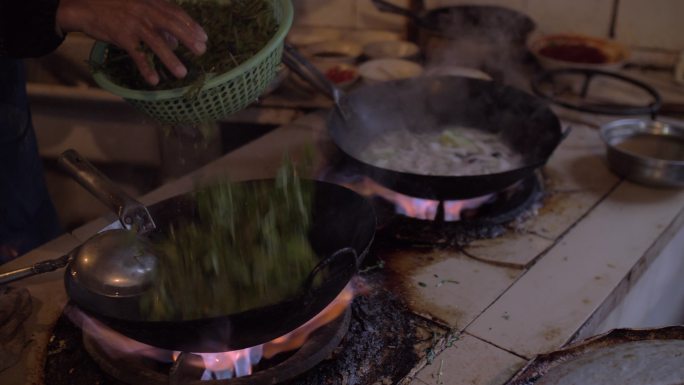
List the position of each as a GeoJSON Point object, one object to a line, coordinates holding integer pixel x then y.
{"type": "Point", "coordinates": [489, 39]}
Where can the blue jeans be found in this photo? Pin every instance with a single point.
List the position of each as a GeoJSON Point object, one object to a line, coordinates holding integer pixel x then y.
{"type": "Point", "coordinates": [27, 216]}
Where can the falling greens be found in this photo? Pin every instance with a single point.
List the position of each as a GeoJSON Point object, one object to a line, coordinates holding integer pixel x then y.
{"type": "Point", "coordinates": [237, 30]}
{"type": "Point", "coordinates": [249, 248]}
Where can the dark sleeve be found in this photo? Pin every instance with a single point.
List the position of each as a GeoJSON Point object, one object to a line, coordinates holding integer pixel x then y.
{"type": "Point", "coordinates": [27, 28]}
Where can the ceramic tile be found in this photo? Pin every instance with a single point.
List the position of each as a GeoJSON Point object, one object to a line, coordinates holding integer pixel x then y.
{"type": "Point", "coordinates": [513, 249]}
{"type": "Point", "coordinates": [590, 17]}
{"type": "Point", "coordinates": [325, 13]}
{"type": "Point", "coordinates": [582, 269]}
{"type": "Point", "coordinates": [572, 171]}
{"type": "Point", "coordinates": [471, 361]}
{"type": "Point", "coordinates": [656, 23]}
{"type": "Point", "coordinates": [577, 178]}
{"type": "Point", "coordinates": [448, 287]}
{"type": "Point", "coordinates": [561, 210]}
{"type": "Point", "coordinates": [580, 163]}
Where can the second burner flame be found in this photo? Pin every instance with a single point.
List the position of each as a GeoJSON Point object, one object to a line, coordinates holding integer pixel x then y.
{"type": "Point", "coordinates": [423, 209]}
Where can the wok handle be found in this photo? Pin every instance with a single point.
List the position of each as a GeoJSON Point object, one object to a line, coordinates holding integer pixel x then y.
{"type": "Point", "coordinates": [347, 251]}
{"type": "Point", "coordinates": [38, 268]}
{"type": "Point", "coordinates": [131, 213]}
{"type": "Point", "coordinates": [307, 71]}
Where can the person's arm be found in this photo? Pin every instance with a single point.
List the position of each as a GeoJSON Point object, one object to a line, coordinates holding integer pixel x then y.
{"type": "Point", "coordinates": [30, 28]}
{"type": "Point", "coordinates": [27, 28]}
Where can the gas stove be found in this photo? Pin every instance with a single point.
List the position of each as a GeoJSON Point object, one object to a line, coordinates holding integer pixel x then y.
{"type": "Point", "coordinates": [358, 341]}
{"type": "Point", "coordinates": [518, 275]}
{"type": "Point", "coordinates": [428, 222]}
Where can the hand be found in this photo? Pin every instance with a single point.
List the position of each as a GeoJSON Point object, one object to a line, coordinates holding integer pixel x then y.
{"type": "Point", "coordinates": [127, 23]}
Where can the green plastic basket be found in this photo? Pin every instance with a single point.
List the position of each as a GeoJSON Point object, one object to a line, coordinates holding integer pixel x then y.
{"type": "Point", "coordinates": [222, 95]}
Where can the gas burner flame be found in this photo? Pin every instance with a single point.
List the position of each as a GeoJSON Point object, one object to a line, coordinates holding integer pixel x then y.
{"type": "Point", "coordinates": [226, 365]}
{"type": "Point", "coordinates": [223, 365]}
{"type": "Point", "coordinates": [423, 209]}
{"type": "Point", "coordinates": [240, 363]}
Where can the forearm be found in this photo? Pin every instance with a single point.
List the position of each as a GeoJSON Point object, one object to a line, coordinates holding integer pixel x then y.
{"type": "Point", "coordinates": [27, 28]}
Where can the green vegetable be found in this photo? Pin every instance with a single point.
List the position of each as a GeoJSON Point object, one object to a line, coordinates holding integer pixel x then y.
{"type": "Point", "coordinates": [237, 30]}
{"type": "Point", "coordinates": [452, 138]}
{"type": "Point", "coordinates": [248, 249]}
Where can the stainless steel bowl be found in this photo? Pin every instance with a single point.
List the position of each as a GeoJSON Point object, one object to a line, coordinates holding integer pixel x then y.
{"type": "Point", "coordinates": [646, 151]}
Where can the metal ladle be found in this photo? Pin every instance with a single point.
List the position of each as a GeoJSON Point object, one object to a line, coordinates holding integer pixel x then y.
{"type": "Point", "coordinates": [294, 60]}
{"type": "Point", "coordinates": [113, 263]}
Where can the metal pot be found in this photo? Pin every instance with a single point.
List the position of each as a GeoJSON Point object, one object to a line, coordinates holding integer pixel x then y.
{"type": "Point", "coordinates": [479, 36]}
{"type": "Point", "coordinates": [646, 151]}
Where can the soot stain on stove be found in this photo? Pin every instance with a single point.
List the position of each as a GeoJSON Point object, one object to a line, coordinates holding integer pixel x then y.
{"type": "Point", "coordinates": [402, 265]}
{"type": "Point", "coordinates": [67, 360]}
{"type": "Point", "coordinates": [385, 344]}
{"type": "Point", "coordinates": [382, 346]}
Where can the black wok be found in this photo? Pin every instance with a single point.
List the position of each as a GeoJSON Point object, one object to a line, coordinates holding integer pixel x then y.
{"type": "Point", "coordinates": [428, 104]}
{"type": "Point", "coordinates": [342, 230]}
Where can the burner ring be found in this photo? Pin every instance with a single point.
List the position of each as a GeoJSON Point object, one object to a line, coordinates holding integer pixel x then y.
{"type": "Point", "coordinates": [589, 75]}
{"type": "Point", "coordinates": [318, 347]}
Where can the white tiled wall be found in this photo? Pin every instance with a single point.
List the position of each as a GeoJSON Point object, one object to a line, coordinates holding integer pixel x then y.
{"type": "Point", "coordinates": [591, 17]}
{"type": "Point", "coordinates": [347, 14]}
{"type": "Point", "coordinates": [326, 13]}
{"type": "Point", "coordinates": [552, 16]}
{"type": "Point", "coordinates": [652, 23]}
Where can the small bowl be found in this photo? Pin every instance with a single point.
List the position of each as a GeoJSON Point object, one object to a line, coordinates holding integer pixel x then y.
{"type": "Point", "coordinates": [398, 49]}
{"type": "Point", "coordinates": [343, 75]}
{"type": "Point", "coordinates": [334, 51]}
{"type": "Point", "coordinates": [614, 54]}
{"type": "Point", "coordinates": [382, 70]}
{"type": "Point", "coordinates": [646, 152]}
